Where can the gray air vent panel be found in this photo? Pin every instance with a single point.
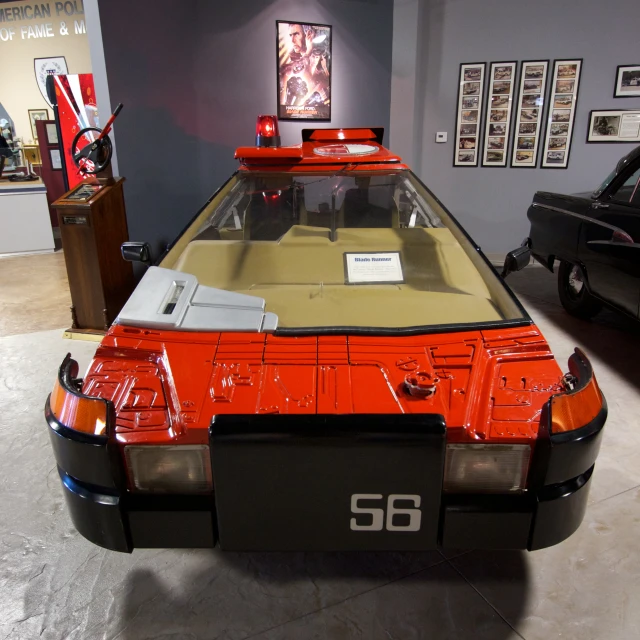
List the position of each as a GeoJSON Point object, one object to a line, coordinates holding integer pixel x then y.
{"type": "Point", "coordinates": [173, 300]}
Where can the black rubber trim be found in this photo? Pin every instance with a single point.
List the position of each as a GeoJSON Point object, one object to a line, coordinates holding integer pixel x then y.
{"type": "Point", "coordinates": [96, 513]}
{"type": "Point", "coordinates": [404, 331]}
{"type": "Point", "coordinates": [301, 429]}
{"type": "Point", "coordinates": [88, 458]}
{"type": "Point", "coordinates": [486, 521]}
{"type": "Point", "coordinates": [563, 489]}
{"type": "Point", "coordinates": [560, 511]}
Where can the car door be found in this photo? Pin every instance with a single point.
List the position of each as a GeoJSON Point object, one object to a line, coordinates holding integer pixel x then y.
{"type": "Point", "coordinates": [610, 246]}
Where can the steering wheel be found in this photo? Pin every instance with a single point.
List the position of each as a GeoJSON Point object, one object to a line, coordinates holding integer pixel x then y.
{"type": "Point", "coordinates": [91, 152]}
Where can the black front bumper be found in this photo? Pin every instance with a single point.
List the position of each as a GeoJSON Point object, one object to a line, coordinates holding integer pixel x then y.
{"type": "Point", "coordinates": [285, 482]}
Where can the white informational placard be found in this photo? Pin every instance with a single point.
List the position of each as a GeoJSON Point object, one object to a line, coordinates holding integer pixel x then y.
{"type": "Point", "coordinates": [373, 268]}
{"type": "Point", "coordinates": [614, 125]}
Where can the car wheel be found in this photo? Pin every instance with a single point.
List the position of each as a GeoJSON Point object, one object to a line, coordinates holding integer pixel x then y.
{"type": "Point", "coordinates": [574, 296]}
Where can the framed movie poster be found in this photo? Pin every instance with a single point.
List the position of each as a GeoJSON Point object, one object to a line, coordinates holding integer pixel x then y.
{"type": "Point", "coordinates": [614, 126]}
{"type": "Point", "coordinates": [563, 97]}
{"type": "Point", "coordinates": [469, 114]}
{"type": "Point", "coordinates": [502, 79]}
{"type": "Point", "coordinates": [304, 70]}
{"type": "Point", "coordinates": [526, 137]}
{"type": "Point", "coordinates": [627, 81]}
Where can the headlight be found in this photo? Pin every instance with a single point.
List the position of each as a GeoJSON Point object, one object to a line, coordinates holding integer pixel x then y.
{"type": "Point", "coordinates": [170, 469]}
{"type": "Point", "coordinates": [486, 468]}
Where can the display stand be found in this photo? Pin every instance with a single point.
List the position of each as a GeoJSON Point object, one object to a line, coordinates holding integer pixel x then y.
{"type": "Point", "coordinates": [93, 226]}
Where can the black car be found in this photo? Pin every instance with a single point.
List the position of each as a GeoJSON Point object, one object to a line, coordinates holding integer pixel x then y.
{"type": "Point", "coordinates": [596, 238]}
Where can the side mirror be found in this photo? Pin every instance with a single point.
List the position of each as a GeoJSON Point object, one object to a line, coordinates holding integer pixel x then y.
{"type": "Point", "coordinates": [136, 252]}
{"type": "Point", "coordinates": [517, 259]}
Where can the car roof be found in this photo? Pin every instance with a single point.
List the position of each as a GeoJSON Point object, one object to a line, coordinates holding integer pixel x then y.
{"type": "Point", "coordinates": [361, 147]}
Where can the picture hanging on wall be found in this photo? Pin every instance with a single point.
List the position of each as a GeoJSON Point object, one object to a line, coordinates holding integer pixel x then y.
{"type": "Point", "coordinates": [622, 125]}
{"type": "Point", "coordinates": [303, 62]}
{"type": "Point", "coordinates": [528, 119]}
{"type": "Point", "coordinates": [34, 116]}
{"type": "Point", "coordinates": [627, 81]}
{"type": "Point", "coordinates": [563, 98]}
{"type": "Point", "coordinates": [469, 114]}
{"type": "Point", "coordinates": [45, 67]}
{"type": "Point", "coordinates": [502, 79]}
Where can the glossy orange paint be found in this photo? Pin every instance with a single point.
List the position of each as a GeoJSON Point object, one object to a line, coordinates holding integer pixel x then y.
{"type": "Point", "coordinates": [167, 385]}
{"type": "Point", "coordinates": [299, 157]}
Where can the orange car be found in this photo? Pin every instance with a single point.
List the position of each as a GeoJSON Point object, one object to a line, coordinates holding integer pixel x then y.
{"type": "Point", "coordinates": [325, 360]}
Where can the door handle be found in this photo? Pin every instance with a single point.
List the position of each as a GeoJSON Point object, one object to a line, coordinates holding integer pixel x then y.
{"type": "Point", "coordinates": [599, 205]}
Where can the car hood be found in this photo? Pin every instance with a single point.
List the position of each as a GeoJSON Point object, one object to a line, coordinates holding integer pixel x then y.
{"type": "Point", "coordinates": [167, 386]}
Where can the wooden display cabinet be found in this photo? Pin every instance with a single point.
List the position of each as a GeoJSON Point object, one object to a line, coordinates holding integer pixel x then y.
{"type": "Point", "coordinates": [93, 226]}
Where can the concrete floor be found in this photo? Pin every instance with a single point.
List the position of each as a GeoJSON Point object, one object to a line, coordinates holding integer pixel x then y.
{"type": "Point", "coordinates": [55, 585]}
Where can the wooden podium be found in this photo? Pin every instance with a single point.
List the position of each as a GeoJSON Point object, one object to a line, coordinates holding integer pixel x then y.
{"type": "Point", "coordinates": [93, 226]}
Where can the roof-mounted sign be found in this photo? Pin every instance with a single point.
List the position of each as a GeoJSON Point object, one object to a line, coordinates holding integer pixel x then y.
{"type": "Point", "coordinates": [345, 150]}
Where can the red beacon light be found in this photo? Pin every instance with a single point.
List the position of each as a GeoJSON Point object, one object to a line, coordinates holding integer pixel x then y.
{"type": "Point", "coordinates": [267, 132]}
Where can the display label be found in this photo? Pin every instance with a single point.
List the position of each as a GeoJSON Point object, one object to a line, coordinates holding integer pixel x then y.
{"type": "Point", "coordinates": [373, 268]}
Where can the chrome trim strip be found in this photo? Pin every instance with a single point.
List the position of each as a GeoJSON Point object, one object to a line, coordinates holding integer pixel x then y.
{"type": "Point", "coordinates": [580, 216]}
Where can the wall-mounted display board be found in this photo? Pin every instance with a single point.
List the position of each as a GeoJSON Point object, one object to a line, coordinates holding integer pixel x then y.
{"type": "Point", "coordinates": [502, 79]}
{"type": "Point", "coordinates": [469, 114]}
{"type": "Point", "coordinates": [528, 119]}
{"type": "Point", "coordinates": [621, 125]}
{"type": "Point", "coordinates": [563, 96]}
{"type": "Point", "coordinates": [627, 81]}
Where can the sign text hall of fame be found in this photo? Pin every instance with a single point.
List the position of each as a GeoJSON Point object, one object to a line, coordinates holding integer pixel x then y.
{"type": "Point", "coordinates": [42, 20]}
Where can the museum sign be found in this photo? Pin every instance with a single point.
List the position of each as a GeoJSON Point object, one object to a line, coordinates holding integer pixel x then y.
{"type": "Point", "coordinates": [42, 20]}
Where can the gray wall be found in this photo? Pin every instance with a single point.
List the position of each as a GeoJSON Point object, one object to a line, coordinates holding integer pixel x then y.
{"type": "Point", "coordinates": [492, 202]}
{"type": "Point", "coordinates": [193, 75]}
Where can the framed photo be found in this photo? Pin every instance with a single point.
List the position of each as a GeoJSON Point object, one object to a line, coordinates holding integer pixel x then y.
{"type": "Point", "coordinates": [502, 79]}
{"type": "Point", "coordinates": [56, 160]}
{"type": "Point", "coordinates": [563, 98]}
{"type": "Point", "coordinates": [34, 116]}
{"type": "Point", "coordinates": [469, 114]}
{"type": "Point", "coordinates": [528, 114]}
{"type": "Point", "coordinates": [303, 62]}
{"type": "Point", "coordinates": [622, 125]}
{"type": "Point", "coordinates": [52, 133]}
{"type": "Point", "coordinates": [627, 81]}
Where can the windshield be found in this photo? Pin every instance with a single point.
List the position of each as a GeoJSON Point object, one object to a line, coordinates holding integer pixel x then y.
{"type": "Point", "coordinates": [350, 249]}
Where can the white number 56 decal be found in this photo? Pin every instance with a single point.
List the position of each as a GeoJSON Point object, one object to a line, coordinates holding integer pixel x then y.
{"type": "Point", "coordinates": [378, 520]}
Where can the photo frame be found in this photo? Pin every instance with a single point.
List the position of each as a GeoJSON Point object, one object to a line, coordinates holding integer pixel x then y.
{"type": "Point", "coordinates": [304, 70]}
{"type": "Point", "coordinates": [563, 98]}
{"type": "Point", "coordinates": [52, 133]}
{"type": "Point", "coordinates": [56, 159]}
{"type": "Point", "coordinates": [614, 125]}
{"type": "Point", "coordinates": [528, 117]}
{"type": "Point", "coordinates": [500, 89]}
{"type": "Point", "coordinates": [627, 81]}
{"type": "Point", "coordinates": [469, 114]}
{"type": "Point", "coordinates": [34, 116]}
